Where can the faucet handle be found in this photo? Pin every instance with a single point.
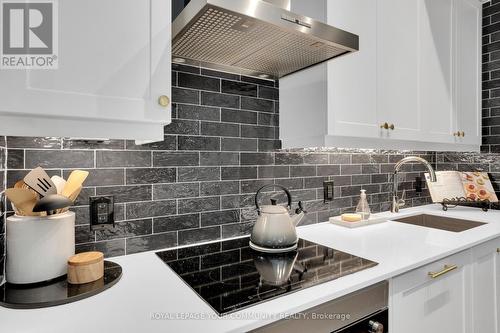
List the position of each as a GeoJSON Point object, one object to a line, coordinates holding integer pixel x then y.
{"type": "Point", "coordinates": [401, 202]}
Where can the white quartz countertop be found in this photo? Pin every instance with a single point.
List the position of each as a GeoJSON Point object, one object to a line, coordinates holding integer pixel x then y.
{"type": "Point", "coordinates": [151, 298]}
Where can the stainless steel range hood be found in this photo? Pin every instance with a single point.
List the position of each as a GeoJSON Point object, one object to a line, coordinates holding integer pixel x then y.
{"type": "Point", "coordinates": [254, 37]}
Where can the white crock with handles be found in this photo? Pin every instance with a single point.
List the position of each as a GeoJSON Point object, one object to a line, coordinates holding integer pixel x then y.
{"type": "Point", "coordinates": [38, 248]}
{"type": "Point", "coordinates": [274, 231]}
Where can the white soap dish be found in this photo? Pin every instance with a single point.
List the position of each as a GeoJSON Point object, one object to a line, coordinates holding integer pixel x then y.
{"type": "Point", "coordinates": [372, 220]}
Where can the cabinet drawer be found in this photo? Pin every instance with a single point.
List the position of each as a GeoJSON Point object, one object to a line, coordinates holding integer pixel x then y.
{"type": "Point", "coordinates": [422, 275]}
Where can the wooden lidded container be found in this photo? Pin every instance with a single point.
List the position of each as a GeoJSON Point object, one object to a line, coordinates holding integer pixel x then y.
{"type": "Point", "coordinates": [85, 267]}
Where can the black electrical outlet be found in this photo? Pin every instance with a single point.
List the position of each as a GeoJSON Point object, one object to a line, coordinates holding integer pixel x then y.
{"type": "Point", "coordinates": [418, 184]}
{"type": "Point", "coordinates": [328, 191]}
{"type": "Point", "coordinates": [102, 212]}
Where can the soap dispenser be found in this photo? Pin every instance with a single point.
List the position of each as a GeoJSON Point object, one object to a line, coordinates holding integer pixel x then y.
{"type": "Point", "coordinates": [363, 208]}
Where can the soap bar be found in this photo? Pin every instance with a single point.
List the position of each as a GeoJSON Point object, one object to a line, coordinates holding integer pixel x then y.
{"type": "Point", "coordinates": [351, 217]}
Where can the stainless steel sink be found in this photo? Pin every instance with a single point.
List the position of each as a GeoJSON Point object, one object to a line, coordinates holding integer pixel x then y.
{"type": "Point", "coordinates": [440, 222]}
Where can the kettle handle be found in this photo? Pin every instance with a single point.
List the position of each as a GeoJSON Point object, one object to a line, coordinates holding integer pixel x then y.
{"type": "Point", "coordinates": [289, 196]}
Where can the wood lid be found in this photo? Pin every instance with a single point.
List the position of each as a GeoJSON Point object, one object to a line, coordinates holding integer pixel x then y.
{"type": "Point", "coordinates": [85, 258]}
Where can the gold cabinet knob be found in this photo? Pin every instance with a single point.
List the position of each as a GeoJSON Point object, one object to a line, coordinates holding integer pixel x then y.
{"type": "Point", "coordinates": [164, 101]}
{"type": "Point", "coordinates": [498, 250]}
{"type": "Point", "coordinates": [462, 134]}
{"type": "Point", "coordinates": [387, 126]}
{"type": "Point", "coordinates": [456, 133]}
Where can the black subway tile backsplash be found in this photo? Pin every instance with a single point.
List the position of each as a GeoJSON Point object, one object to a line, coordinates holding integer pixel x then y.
{"type": "Point", "coordinates": [151, 242]}
{"type": "Point", "coordinates": [194, 205]}
{"type": "Point", "coordinates": [222, 146]}
{"type": "Point", "coordinates": [221, 100]}
{"type": "Point", "coordinates": [198, 143]}
{"type": "Point", "coordinates": [257, 104]}
{"type": "Point", "coordinates": [190, 174]}
{"type": "Point", "coordinates": [239, 116]}
{"type": "Point", "coordinates": [150, 175]}
{"type": "Point", "coordinates": [234, 144]}
{"type": "Point", "coordinates": [176, 222]}
{"type": "Point", "coordinates": [185, 96]}
{"type": "Point", "coordinates": [239, 88]}
{"type": "Point", "coordinates": [197, 112]}
{"type": "Point", "coordinates": [59, 159]}
{"type": "Point", "coordinates": [220, 129]}
{"type": "Point", "coordinates": [175, 190]}
{"type": "Point", "coordinates": [138, 210]}
{"type": "Point", "coordinates": [219, 158]}
{"type": "Point", "coordinates": [192, 81]}
{"type": "Point", "coordinates": [127, 193]}
{"type": "Point", "coordinates": [110, 159]}
{"type": "Point", "coordinates": [163, 159]}
{"type": "Point", "coordinates": [126, 229]}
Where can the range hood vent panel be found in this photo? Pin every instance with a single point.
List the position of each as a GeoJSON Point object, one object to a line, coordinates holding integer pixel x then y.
{"type": "Point", "coordinates": [253, 37]}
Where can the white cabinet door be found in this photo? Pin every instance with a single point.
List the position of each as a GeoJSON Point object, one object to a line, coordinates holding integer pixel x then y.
{"type": "Point", "coordinates": [485, 287]}
{"type": "Point", "coordinates": [420, 303]}
{"type": "Point", "coordinates": [352, 79]}
{"type": "Point", "coordinates": [398, 67]}
{"type": "Point", "coordinates": [114, 63]}
{"type": "Point", "coordinates": [436, 69]}
{"type": "Point", "coordinates": [497, 285]}
{"type": "Point", "coordinates": [468, 70]}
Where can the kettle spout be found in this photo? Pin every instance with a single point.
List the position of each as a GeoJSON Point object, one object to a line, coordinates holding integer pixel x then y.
{"type": "Point", "coordinates": [299, 214]}
{"type": "Point", "coordinates": [297, 218]}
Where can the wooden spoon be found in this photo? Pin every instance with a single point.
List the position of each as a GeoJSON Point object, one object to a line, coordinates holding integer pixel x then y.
{"type": "Point", "coordinates": [23, 200]}
{"type": "Point", "coordinates": [75, 180]}
{"type": "Point", "coordinates": [72, 197]}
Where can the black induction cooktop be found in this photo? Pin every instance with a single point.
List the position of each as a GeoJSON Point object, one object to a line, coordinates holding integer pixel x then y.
{"type": "Point", "coordinates": [229, 275]}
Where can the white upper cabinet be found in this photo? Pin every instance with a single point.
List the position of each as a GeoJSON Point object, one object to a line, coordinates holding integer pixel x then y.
{"type": "Point", "coordinates": [357, 16]}
{"type": "Point", "coordinates": [468, 69]}
{"type": "Point", "coordinates": [435, 81]}
{"type": "Point", "coordinates": [413, 84]}
{"type": "Point", "coordinates": [114, 64]}
{"type": "Point", "coordinates": [398, 67]}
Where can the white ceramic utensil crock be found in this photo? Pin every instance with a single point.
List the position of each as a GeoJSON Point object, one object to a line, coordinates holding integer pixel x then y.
{"type": "Point", "coordinates": [38, 248]}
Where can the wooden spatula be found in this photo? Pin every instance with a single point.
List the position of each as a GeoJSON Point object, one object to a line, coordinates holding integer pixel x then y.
{"type": "Point", "coordinates": [75, 180]}
{"type": "Point", "coordinates": [40, 181]}
{"type": "Point", "coordinates": [72, 197]}
{"type": "Point", "coordinates": [23, 200]}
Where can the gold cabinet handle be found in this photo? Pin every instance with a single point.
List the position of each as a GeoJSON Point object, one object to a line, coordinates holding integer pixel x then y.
{"type": "Point", "coordinates": [462, 133]}
{"type": "Point", "coordinates": [387, 126]}
{"type": "Point", "coordinates": [164, 101]}
{"type": "Point", "coordinates": [498, 250]}
{"type": "Point", "coordinates": [456, 133]}
{"type": "Point", "coordinates": [446, 269]}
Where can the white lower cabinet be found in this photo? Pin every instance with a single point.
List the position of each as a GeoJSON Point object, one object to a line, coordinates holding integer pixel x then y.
{"type": "Point", "coordinates": [420, 302]}
{"type": "Point", "coordinates": [460, 293]}
{"type": "Point", "coordinates": [486, 287]}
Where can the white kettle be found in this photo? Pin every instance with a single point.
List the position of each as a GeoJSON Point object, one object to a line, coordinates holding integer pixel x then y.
{"type": "Point", "coordinates": [274, 231]}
